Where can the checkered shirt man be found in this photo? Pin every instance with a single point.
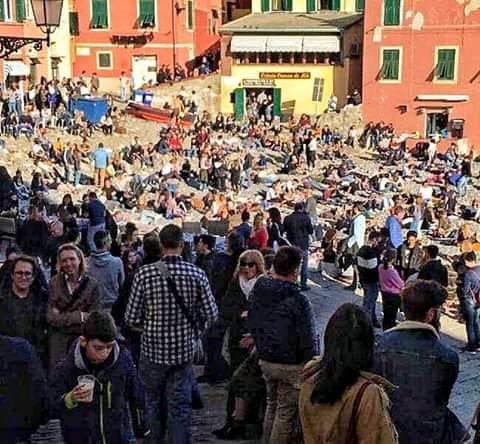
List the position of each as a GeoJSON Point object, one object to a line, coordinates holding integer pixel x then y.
{"type": "Point", "coordinates": [168, 338]}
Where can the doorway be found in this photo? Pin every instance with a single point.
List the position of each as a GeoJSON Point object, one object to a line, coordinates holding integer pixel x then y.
{"type": "Point", "coordinates": [257, 102]}
{"type": "Point", "coordinates": [144, 70]}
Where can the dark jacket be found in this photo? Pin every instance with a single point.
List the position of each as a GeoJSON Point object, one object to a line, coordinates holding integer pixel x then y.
{"type": "Point", "coordinates": [281, 321]}
{"type": "Point", "coordinates": [412, 357]}
{"type": "Point", "coordinates": [298, 227]}
{"type": "Point", "coordinates": [117, 387]}
{"type": "Point", "coordinates": [31, 325]}
{"type": "Point", "coordinates": [32, 237]}
{"type": "Point", "coordinates": [410, 260]}
{"type": "Point", "coordinates": [205, 262]}
{"type": "Point", "coordinates": [23, 390]}
{"type": "Point", "coordinates": [434, 270]}
{"type": "Point", "coordinates": [367, 264]}
{"type": "Point", "coordinates": [223, 267]}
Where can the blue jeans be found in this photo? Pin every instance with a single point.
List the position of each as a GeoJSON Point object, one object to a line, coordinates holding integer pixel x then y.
{"type": "Point", "coordinates": [472, 320]}
{"type": "Point", "coordinates": [370, 296]}
{"type": "Point", "coordinates": [168, 392]}
{"type": "Point", "coordinates": [304, 270]}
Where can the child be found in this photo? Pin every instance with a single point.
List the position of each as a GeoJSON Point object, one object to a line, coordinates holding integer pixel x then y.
{"type": "Point", "coordinates": [102, 419]}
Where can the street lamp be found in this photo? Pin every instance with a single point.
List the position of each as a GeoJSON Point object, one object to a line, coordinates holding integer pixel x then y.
{"type": "Point", "coordinates": [47, 15]}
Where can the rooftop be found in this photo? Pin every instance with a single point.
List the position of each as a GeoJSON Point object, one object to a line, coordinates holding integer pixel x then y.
{"type": "Point", "coordinates": [323, 21]}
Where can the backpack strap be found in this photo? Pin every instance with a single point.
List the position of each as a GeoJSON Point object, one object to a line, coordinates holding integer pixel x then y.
{"type": "Point", "coordinates": [352, 428]}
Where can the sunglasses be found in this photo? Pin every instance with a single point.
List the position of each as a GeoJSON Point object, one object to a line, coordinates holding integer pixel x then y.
{"type": "Point", "coordinates": [26, 274]}
{"type": "Point", "coordinates": [248, 264]}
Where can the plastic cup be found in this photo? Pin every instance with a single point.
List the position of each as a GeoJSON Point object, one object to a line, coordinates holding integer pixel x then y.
{"type": "Point", "coordinates": [88, 383]}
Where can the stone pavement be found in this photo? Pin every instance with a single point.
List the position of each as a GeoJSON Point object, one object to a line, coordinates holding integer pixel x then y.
{"type": "Point", "coordinates": [325, 299]}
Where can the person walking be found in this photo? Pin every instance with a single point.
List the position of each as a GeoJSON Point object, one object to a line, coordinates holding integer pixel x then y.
{"type": "Point", "coordinates": [423, 369]}
{"type": "Point", "coordinates": [298, 228]}
{"type": "Point", "coordinates": [282, 327]}
{"type": "Point", "coordinates": [106, 269]}
{"type": "Point", "coordinates": [101, 160]}
{"type": "Point", "coordinates": [340, 389]}
{"type": "Point", "coordinates": [172, 302]}
{"type": "Point", "coordinates": [391, 284]}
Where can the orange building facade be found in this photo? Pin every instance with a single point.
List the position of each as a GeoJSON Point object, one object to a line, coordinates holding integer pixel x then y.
{"type": "Point", "coordinates": [421, 67]}
{"type": "Point", "coordinates": [141, 35]}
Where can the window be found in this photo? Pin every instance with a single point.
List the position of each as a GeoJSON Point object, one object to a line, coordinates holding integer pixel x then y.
{"type": "Point", "coordinates": [5, 10]}
{"type": "Point", "coordinates": [390, 64]}
{"type": "Point", "coordinates": [146, 17]}
{"type": "Point", "coordinates": [190, 15]}
{"type": "Point", "coordinates": [437, 123]}
{"type": "Point", "coordinates": [265, 5]}
{"type": "Point", "coordinates": [281, 5]}
{"type": "Point", "coordinates": [391, 12]}
{"type": "Point", "coordinates": [104, 60]}
{"type": "Point", "coordinates": [445, 67]}
{"type": "Point", "coordinates": [359, 5]}
{"type": "Point", "coordinates": [311, 5]}
{"type": "Point", "coordinates": [73, 23]}
{"type": "Point", "coordinates": [332, 5]}
{"type": "Point", "coordinates": [99, 14]}
{"type": "Point", "coordinates": [20, 11]}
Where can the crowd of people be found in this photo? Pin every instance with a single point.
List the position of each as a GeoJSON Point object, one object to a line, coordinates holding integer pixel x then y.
{"type": "Point", "coordinates": [116, 320]}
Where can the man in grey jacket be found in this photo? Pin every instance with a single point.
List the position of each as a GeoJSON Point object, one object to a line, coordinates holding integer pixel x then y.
{"type": "Point", "coordinates": [106, 269]}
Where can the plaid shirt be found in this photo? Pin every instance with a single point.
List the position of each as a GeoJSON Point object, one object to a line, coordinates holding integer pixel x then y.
{"type": "Point", "coordinates": [168, 338]}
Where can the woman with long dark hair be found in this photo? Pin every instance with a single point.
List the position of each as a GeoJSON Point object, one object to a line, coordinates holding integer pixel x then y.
{"type": "Point", "coordinates": [7, 190]}
{"type": "Point", "coordinates": [275, 229]}
{"type": "Point", "coordinates": [340, 401]}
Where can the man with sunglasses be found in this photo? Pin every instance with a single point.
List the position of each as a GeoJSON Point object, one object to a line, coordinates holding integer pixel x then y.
{"type": "Point", "coordinates": [23, 306]}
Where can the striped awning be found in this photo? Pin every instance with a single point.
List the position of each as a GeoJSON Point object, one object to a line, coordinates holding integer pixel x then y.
{"type": "Point", "coordinates": [321, 43]}
{"type": "Point", "coordinates": [284, 43]}
{"type": "Point", "coordinates": [16, 68]}
{"type": "Point", "coordinates": [248, 43]}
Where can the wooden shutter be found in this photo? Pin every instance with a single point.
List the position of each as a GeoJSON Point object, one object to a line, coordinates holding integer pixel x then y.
{"type": "Point", "coordinates": [265, 5]}
{"type": "Point", "coordinates": [359, 5]}
{"type": "Point", "coordinates": [277, 102]}
{"type": "Point", "coordinates": [391, 12]}
{"type": "Point", "coordinates": [20, 12]}
{"type": "Point", "coordinates": [311, 6]}
{"type": "Point", "coordinates": [239, 103]}
{"type": "Point", "coordinates": [74, 23]}
{"type": "Point", "coordinates": [288, 5]}
{"type": "Point", "coordinates": [100, 14]}
{"type": "Point", "coordinates": [317, 95]}
{"type": "Point", "coordinates": [445, 69]}
{"type": "Point", "coordinates": [147, 13]}
{"type": "Point", "coordinates": [2, 11]}
{"type": "Point", "coordinates": [391, 64]}
{"type": "Point", "coordinates": [335, 5]}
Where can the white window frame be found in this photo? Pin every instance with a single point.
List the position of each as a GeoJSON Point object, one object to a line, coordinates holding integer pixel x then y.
{"type": "Point", "coordinates": [457, 61]}
{"type": "Point", "coordinates": [155, 28]}
{"type": "Point", "coordinates": [435, 111]}
{"type": "Point", "coordinates": [109, 17]}
{"type": "Point", "coordinates": [400, 63]}
{"type": "Point", "coordinates": [100, 68]}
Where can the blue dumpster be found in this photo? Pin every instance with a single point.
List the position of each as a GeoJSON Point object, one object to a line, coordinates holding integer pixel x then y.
{"type": "Point", "coordinates": [148, 98]}
{"type": "Point", "coordinates": [93, 108]}
{"type": "Point", "coordinates": [138, 96]}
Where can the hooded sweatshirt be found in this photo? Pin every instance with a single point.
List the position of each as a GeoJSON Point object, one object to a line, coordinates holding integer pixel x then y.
{"type": "Point", "coordinates": [281, 322]}
{"type": "Point", "coordinates": [108, 271]}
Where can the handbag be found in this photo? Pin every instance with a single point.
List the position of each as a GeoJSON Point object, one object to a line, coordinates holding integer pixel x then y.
{"type": "Point", "coordinates": [352, 428]}
{"type": "Point", "coordinates": [198, 351]}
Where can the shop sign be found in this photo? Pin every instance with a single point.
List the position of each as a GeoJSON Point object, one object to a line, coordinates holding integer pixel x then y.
{"type": "Point", "coordinates": [285, 75]}
{"type": "Point", "coordinates": [258, 82]}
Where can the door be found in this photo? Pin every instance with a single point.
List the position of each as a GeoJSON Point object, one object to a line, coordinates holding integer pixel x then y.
{"type": "Point", "coordinates": [144, 70]}
{"type": "Point", "coordinates": [239, 103]}
{"type": "Point", "coordinates": [277, 102]}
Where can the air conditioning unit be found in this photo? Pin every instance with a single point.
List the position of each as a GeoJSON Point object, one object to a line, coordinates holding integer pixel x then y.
{"type": "Point", "coordinates": [355, 49]}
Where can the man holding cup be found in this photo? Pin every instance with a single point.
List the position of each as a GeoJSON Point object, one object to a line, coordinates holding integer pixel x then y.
{"type": "Point", "coordinates": [92, 387]}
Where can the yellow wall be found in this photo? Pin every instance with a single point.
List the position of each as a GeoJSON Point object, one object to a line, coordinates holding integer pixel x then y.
{"type": "Point", "coordinates": [298, 90]}
{"type": "Point", "coordinates": [301, 6]}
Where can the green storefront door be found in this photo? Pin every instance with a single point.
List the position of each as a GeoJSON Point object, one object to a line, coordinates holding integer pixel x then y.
{"type": "Point", "coordinates": [277, 102]}
{"type": "Point", "coordinates": [239, 103]}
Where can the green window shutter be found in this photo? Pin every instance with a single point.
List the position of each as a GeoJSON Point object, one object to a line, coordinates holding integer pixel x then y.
{"type": "Point", "coordinates": [265, 5]}
{"type": "Point", "coordinates": [99, 14]}
{"type": "Point", "coordinates": [147, 13]}
{"type": "Point", "coordinates": [391, 12]}
{"type": "Point", "coordinates": [288, 6]}
{"type": "Point", "coordinates": [359, 5]}
{"type": "Point", "coordinates": [2, 11]}
{"type": "Point", "coordinates": [20, 12]}
{"type": "Point", "coordinates": [277, 102]}
{"type": "Point", "coordinates": [311, 6]}
{"type": "Point", "coordinates": [335, 5]}
{"type": "Point", "coordinates": [190, 14]}
{"type": "Point", "coordinates": [391, 64]}
{"type": "Point", "coordinates": [445, 69]}
{"type": "Point", "coordinates": [239, 103]}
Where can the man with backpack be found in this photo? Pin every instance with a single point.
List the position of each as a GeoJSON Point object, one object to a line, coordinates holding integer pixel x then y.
{"type": "Point", "coordinates": [469, 297]}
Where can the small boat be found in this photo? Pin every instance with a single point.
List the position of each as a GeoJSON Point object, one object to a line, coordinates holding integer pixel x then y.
{"type": "Point", "coordinates": [157, 115]}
